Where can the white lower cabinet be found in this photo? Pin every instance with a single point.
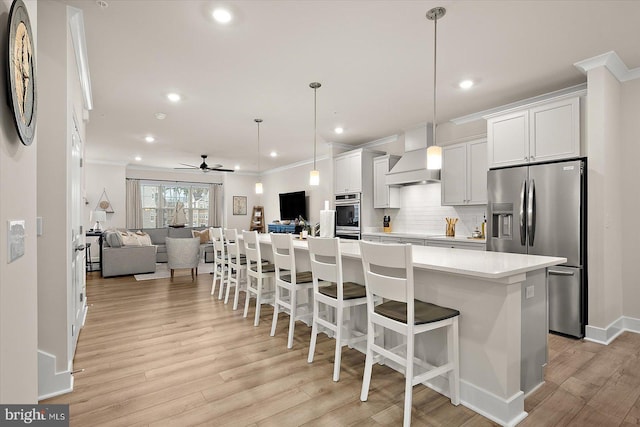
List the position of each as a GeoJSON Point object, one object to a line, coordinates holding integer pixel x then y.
{"type": "Point", "coordinates": [413, 241]}
{"type": "Point", "coordinates": [457, 245]}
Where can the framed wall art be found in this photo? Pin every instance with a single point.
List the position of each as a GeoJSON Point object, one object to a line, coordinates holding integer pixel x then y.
{"type": "Point", "coordinates": [239, 205]}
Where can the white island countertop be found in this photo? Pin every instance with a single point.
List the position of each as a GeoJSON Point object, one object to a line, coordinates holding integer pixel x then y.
{"type": "Point", "coordinates": [486, 265]}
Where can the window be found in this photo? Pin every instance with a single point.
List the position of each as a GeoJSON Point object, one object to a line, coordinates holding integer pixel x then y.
{"type": "Point", "coordinates": [159, 200]}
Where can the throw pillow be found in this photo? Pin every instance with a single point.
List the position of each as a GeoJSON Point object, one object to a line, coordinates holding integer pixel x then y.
{"type": "Point", "coordinates": [129, 239]}
{"type": "Point", "coordinates": [204, 235]}
{"type": "Point", "coordinates": [113, 239]}
{"type": "Point", "coordinates": [143, 238]}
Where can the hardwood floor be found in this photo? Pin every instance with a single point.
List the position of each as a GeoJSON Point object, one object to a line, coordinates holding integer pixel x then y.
{"type": "Point", "coordinates": [159, 353]}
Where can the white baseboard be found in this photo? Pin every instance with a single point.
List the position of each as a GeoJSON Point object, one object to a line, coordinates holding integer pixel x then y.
{"type": "Point", "coordinates": [50, 382]}
{"type": "Point", "coordinates": [506, 412]}
{"type": "Point", "coordinates": [608, 334]}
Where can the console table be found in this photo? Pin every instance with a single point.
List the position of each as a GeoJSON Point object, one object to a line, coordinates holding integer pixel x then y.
{"type": "Point", "coordinates": [98, 234]}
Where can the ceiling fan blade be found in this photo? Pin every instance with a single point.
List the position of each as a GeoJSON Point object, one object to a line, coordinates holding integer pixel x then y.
{"type": "Point", "coordinates": [221, 170]}
{"type": "Point", "coordinates": [191, 166]}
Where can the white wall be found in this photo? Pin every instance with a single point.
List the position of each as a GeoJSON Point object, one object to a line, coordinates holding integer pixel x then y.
{"type": "Point", "coordinates": [18, 280]}
{"type": "Point", "coordinates": [240, 185]}
{"type": "Point", "coordinates": [296, 178]}
{"type": "Point", "coordinates": [110, 178]}
{"type": "Point", "coordinates": [604, 148]}
{"type": "Point", "coordinates": [630, 136]}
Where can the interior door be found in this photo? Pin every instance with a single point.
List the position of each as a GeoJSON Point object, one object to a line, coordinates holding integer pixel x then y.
{"type": "Point", "coordinates": [78, 304]}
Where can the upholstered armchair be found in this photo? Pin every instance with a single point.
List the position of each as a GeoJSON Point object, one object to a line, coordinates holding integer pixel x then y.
{"type": "Point", "coordinates": [183, 253]}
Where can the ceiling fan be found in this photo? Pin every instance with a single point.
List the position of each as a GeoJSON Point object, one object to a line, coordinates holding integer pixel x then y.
{"type": "Point", "coordinates": [206, 168]}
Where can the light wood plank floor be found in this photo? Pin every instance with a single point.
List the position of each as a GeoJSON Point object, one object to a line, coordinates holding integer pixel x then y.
{"type": "Point", "coordinates": [167, 353]}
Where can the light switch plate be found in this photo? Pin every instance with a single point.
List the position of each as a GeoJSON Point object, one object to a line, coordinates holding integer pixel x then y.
{"type": "Point", "coordinates": [15, 239]}
{"type": "Point", "coordinates": [529, 292]}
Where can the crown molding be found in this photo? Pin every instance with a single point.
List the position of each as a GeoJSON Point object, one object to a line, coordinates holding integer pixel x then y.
{"type": "Point", "coordinates": [613, 63]}
{"type": "Point", "coordinates": [294, 165]}
{"type": "Point", "coordinates": [577, 90]}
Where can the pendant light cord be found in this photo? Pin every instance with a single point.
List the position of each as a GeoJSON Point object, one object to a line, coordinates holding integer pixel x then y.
{"type": "Point", "coordinates": [315, 122]}
{"type": "Point", "coordinates": [258, 121]}
{"type": "Point", "coordinates": [435, 48]}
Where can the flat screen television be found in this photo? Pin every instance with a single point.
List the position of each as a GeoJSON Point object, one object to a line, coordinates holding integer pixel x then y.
{"type": "Point", "coordinates": [293, 205]}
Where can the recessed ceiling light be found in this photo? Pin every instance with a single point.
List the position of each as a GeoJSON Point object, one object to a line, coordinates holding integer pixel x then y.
{"type": "Point", "coordinates": [173, 97]}
{"type": "Point", "coordinates": [338, 130]}
{"type": "Point", "coordinates": [138, 158]}
{"type": "Point", "coordinates": [149, 138]}
{"type": "Point", "coordinates": [273, 154]}
{"type": "Point", "coordinates": [160, 116]}
{"type": "Point", "coordinates": [222, 16]}
{"type": "Point", "coordinates": [466, 84]}
{"type": "Point", "coordinates": [237, 167]}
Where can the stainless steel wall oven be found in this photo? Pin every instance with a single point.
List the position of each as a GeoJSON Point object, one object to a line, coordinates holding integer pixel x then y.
{"type": "Point", "coordinates": [348, 216]}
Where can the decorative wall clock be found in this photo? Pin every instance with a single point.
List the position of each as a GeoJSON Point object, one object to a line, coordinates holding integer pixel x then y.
{"type": "Point", "coordinates": [22, 72]}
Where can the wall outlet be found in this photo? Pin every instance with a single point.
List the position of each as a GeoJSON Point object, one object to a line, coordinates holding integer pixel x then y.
{"type": "Point", "coordinates": [529, 292]}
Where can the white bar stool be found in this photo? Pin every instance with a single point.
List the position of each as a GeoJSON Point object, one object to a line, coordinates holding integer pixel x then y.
{"type": "Point", "coordinates": [258, 271]}
{"type": "Point", "coordinates": [219, 259]}
{"type": "Point", "coordinates": [388, 272]}
{"type": "Point", "coordinates": [326, 266]}
{"type": "Point", "coordinates": [288, 283]}
{"type": "Point", "coordinates": [237, 266]}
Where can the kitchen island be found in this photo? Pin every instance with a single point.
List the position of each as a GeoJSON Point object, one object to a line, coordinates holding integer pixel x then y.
{"type": "Point", "coordinates": [502, 301]}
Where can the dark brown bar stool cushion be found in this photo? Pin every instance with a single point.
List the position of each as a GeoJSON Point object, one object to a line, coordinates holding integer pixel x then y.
{"type": "Point", "coordinates": [350, 290]}
{"type": "Point", "coordinates": [425, 312]}
{"type": "Point", "coordinates": [301, 277]}
{"type": "Point", "coordinates": [266, 268]}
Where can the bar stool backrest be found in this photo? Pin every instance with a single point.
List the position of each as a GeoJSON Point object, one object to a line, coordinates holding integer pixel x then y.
{"type": "Point", "coordinates": [283, 254]}
{"type": "Point", "coordinates": [326, 262]}
{"type": "Point", "coordinates": [388, 273]}
{"type": "Point", "coordinates": [252, 252]}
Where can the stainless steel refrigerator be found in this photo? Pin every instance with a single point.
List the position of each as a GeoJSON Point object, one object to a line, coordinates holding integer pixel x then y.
{"type": "Point", "coordinates": [541, 210]}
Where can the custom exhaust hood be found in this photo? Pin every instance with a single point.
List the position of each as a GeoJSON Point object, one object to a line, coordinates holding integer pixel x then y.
{"type": "Point", "coordinates": [412, 166]}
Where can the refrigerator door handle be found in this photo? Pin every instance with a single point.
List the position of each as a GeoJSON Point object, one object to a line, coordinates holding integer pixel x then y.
{"type": "Point", "coordinates": [523, 235]}
{"type": "Point", "coordinates": [561, 273]}
{"type": "Point", "coordinates": [531, 212]}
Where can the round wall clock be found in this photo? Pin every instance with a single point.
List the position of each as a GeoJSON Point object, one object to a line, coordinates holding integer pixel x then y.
{"type": "Point", "coordinates": [22, 72]}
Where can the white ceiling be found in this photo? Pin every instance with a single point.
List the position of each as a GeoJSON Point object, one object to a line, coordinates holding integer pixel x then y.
{"type": "Point", "coordinates": [373, 58]}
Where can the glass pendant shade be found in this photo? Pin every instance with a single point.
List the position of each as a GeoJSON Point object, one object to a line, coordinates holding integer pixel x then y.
{"type": "Point", "coordinates": [434, 157]}
{"type": "Point", "coordinates": [314, 177]}
{"type": "Point", "coordinates": [258, 188]}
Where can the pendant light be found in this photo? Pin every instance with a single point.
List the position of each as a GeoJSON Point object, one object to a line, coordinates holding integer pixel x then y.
{"type": "Point", "coordinates": [259, 183]}
{"type": "Point", "coordinates": [314, 175]}
{"type": "Point", "coordinates": [434, 152]}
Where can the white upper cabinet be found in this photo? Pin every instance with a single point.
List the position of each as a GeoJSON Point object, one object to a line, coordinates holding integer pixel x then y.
{"type": "Point", "coordinates": [554, 131]}
{"type": "Point", "coordinates": [348, 172]}
{"type": "Point", "coordinates": [384, 196]}
{"type": "Point", "coordinates": [464, 173]}
{"type": "Point", "coordinates": [549, 131]}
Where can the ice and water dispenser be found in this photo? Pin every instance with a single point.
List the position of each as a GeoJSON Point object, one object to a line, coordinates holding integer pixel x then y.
{"type": "Point", "coordinates": [502, 220]}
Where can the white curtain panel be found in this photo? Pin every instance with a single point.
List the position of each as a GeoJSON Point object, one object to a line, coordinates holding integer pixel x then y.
{"type": "Point", "coordinates": [134, 204]}
{"type": "Point", "coordinates": [215, 205]}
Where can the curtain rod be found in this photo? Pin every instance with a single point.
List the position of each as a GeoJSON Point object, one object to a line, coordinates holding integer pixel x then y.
{"type": "Point", "coordinates": [168, 180]}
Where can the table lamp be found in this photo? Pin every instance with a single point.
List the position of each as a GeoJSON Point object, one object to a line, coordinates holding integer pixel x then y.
{"type": "Point", "coordinates": [98, 216]}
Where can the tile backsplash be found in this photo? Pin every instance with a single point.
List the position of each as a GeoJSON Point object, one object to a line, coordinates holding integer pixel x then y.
{"type": "Point", "coordinates": [421, 212]}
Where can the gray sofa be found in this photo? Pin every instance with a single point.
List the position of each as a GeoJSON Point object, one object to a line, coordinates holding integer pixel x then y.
{"type": "Point", "coordinates": [125, 260]}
